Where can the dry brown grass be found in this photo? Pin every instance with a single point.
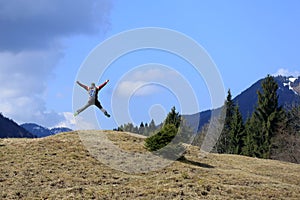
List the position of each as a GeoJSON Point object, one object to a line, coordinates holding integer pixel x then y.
{"type": "Point", "coordinates": [59, 167]}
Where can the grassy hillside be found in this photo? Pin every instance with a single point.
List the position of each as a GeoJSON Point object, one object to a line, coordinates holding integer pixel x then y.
{"type": "Point", "coordinates": [59, 167]}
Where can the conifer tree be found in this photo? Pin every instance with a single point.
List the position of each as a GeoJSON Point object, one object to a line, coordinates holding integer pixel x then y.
{"type": "Point", "coordinates": [173, 118]}
{"type": "Point", "coordinates": [141, 128]}
{"type": "Point", "coordinates": [236, 132]}
{"type": "Point", "coordinates": [293, 117]}
{"type": "Point", "coordinates": [250, 147]}
{"type": "Point", "coordinates": [166, 135]}
{"type": "Point", "coordinates": [223, 142]}
{"type": "Point", "coordinates": [266, 118]}
{"type": "Point", "coordinates": [152, 126]}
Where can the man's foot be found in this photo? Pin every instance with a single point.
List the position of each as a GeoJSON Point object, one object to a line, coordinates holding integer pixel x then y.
{"type": "Point", "coordinates": [75, 114]}
{"type": "Point", "coordinates": [106, 114]}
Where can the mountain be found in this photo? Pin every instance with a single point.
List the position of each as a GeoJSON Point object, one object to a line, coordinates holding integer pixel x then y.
{"type": "Point", "coordinates": [41, 131]}
{"type": "Point", "coordinates": [60, 130]}
{"type": "Point", "coordinates": [288, 93]}
{"type": "Point", "coordinates": [37, 130]}
{"type": "Point", "coordinates": [61, 167]}
{"type": "Point", "coordinates": [10, 129]}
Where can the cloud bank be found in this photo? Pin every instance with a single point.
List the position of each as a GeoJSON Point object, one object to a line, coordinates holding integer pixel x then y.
{"type": "Point", "coordinates": [286, 72]}
{"type": "Point", "coordinates": [143, 82]}
{"type": "Point", "coordinates": [31, 46]}
{"type": "Point", "coordinates": [40, 24]}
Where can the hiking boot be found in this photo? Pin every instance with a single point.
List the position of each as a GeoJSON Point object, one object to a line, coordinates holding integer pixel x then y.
{"type": "Point", "coordinates": [106, 114]}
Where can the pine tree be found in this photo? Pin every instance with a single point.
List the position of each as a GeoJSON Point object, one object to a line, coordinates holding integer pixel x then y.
{"type": "Point", "coordinates": [173, 118]}
{"type": "Point", "coordinates": [162, 138]}
{"type": "Point", "coordinates": [185, 134]}
{"type": "Point", "coordinates": [223, 142]}
{"type": "Point", "coordinates": [141, 128]}
{"type": "Point", "coordinates": [152, 126]}
{"type": "Point", "coordinates": [266, 117]}
{"type": "Point", "coordinates": [252, 134]}
{"type": "Point", "coordinates": [129, 127]}
{"type": "Point", "coordinates": [236, 132]}
{"type": "Point", "coordinates": [293, 117]}
{"type": "Point", "coordinates": [135, 129]}
{"type": "Point", "coordinates": [165, 136]}
{"type": "Point", "coordinates": [198, 140]}
{"type": "Point", "coordinates": [146, 129]}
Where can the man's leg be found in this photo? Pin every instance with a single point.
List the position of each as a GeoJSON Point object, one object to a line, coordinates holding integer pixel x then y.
{"type": "Point", "coordinates": [98, 104]}
{"type": "Point", "coordinates": [89, 103]}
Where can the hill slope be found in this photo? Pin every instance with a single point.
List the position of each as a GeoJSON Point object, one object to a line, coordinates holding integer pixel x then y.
{"type": "Point", "coordinates": [10, 129]}
{"type": "Point", "coordinates": [59, 167]}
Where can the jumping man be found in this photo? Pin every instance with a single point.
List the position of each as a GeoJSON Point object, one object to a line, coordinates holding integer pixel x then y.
{"type": "Point", "coordinates": [93, 97]}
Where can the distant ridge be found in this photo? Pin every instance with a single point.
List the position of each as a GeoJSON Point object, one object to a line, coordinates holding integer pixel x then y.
{"type": "Point", "coordinates": [40, 131]}
{"type": "Point", "coordinates": [10, 129]}
{"type": "Point", "coordinates": [288, 92]}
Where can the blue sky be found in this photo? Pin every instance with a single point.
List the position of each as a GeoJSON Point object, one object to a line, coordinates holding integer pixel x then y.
{"type": "Point", "coordinates": [43, 46]}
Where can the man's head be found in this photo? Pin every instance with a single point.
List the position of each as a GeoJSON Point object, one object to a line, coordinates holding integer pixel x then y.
{"type": "Point", "coordinates": [93, 85]}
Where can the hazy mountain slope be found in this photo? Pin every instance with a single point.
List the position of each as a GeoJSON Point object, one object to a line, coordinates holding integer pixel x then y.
{"type": "Point", "coordinates": [247, 100]}
{"type": "Point", "coordinates": [41, 131]}
{"type": "Point", "coordinates": [288, 93]}
{"type": "Point", "coordinates": [59, 167]}
{"type": "Point", "coordinates": [10, 129]}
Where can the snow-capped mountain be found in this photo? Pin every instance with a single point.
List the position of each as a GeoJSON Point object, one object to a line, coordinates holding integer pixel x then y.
{"type": "Point", "coordinates": [288, 93]}
{"type": "Point", "coordinates": [293, 84]}
{"type": "Point", "coordinates": [41, 131]}
{"type": "Point", "coordinates": [60, 130]}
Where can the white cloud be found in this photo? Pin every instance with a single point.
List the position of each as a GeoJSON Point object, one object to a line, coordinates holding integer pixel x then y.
{"type": "Point", "coordinates": [286, 72]}
{"type": "Point", "coordinates": [151, 74]}
{"type": "Point", "coordinates": [39, 24]}
{"type": "Point", "coordinates": [153, 80]}
{"type": "Point", "coordinates": [138, 88]}
{"type": "Point", "coordinates": [144, 81]}
{"type": "Point", "coordinates": [69, 121]}
{"type": "Point", "coordinates": [24, 78]}
{"type": "Point", "coordinates": [31, 47]}
{"type": "Point", "coordinates": [74, 123]}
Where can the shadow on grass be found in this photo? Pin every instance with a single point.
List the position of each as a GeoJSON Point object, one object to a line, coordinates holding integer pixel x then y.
{"type": "Point", "coordinates": [191, 162]}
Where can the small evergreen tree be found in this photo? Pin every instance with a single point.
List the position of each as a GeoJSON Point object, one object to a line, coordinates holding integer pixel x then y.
{"type": "Point", "coordinates": [198, 141]}
{"type": "Point", "coordinates": [141, 128]}
{"type": "Point", "coordinates": [162, 138]}
{"type": "Point", "coordinates": [248, 148]}
{"type": "Point", "coordinates": [160, 142]}
{"type": "Point", "coordinates": [146, 129]}
{"type": "Point", "coordinates": [173, 118]}
{"type": "Point", "coordinates": [152, 126]}
{"type": "Point", "coordinates": [222, 145]}
{"type": "Point", "coordinates": [236, 132]}
{"type": "Point", "coordinates": [166, 134]}
{"type": "Point", "coordinates": [293, 120]}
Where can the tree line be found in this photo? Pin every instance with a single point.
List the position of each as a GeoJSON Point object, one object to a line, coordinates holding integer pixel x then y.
{"type": "Point", "coordinates": [270, 132]}
{"type": "Point", "coordinates": [144, 128]}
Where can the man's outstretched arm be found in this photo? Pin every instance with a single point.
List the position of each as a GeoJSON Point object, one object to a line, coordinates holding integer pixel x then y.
{"type": "Point", "coordinates": [82, 85]}
{"type": "Point", "coordinates": [102, 85]}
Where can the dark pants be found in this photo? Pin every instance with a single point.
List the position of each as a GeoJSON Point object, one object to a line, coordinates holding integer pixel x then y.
{"type": "Point", "coordinates": [92, 101]}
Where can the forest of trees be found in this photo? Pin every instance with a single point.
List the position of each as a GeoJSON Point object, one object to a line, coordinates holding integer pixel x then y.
{"type": "Point", "coordinates": [270, 132]}
{"type": "Point", "coordinates": [144, 128]}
